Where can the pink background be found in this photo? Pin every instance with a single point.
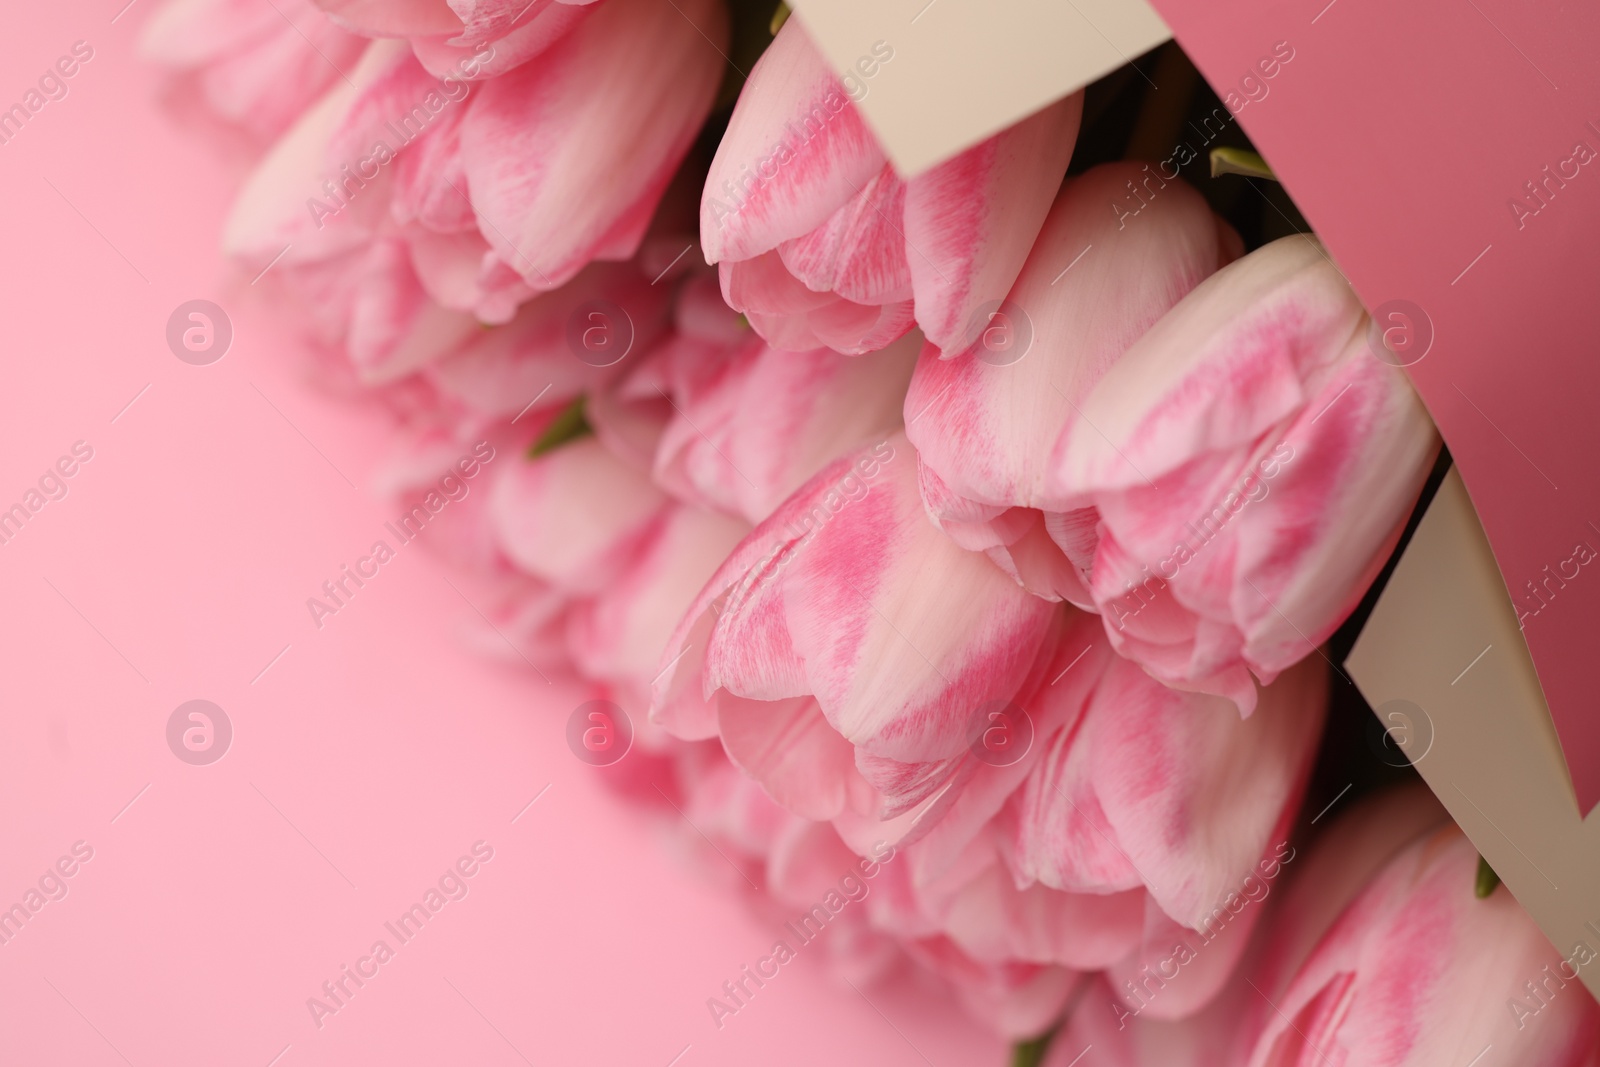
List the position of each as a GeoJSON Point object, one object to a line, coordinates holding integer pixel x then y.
{"type": "Point", "coordinates": [1403, 131]}
{"type": "Point", "coordinates": [189, 544]}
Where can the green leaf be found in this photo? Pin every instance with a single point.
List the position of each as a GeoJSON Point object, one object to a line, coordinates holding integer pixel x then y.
{"type": "Point", "coordinates": [568, 426]}
{"type": "Point", "coordinates": [1240, 161]}
{"type": "Point", "coordinates": [779, 17]}
{"type": "Point", "coordinates": [1487, 880]}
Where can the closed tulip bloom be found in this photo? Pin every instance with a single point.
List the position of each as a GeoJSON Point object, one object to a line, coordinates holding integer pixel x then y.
{"type": "Point", "coordinates": [550, 195]}
{"type": "Point", "coordinates": [1200, 1040]}
{"type": "Point", "coordinates": [1417, 970]}
{"type": "Point", "coordinates": [443, 31]}
{"type": "Point", "coordinates": [770, 419]}
{"type": "Point", "coordinates": [826, 611]}
{"type": "Point", "coordinates": [985, 421]}
{"type": "Point", "coordinates": [256, 66]}
{"type": "Point", "coordinates": [1252, 465]}
{"type": "Point", "coordinates": [482, 190]}
{"type": "Point", "coordinates": [821, 244]}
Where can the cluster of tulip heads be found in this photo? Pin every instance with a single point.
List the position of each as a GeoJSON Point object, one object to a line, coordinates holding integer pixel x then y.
{"type": "Point", "coordinates": [964, 515]}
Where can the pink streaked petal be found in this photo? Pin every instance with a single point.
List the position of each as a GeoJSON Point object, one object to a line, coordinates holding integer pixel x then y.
{"type": "Point", "coordinates": [442, 56]}
{"type": "Point", "coordinates": [969, 222]}
{"type": "Point", "coordinates": [1192, 791]}
{"type": "Point", "coordinates": [784, 415]}
{"type": "Point", "coordinates": [485, 20]}
{"type": "Point", "coordinates": [1417, 971]}
{"type": "Point", "coordinates": [744, 587]}
{"type": "Point", "coordinates": [548, 193]}
{"type": "Point", "coordinates": [1232, 357]}
{"type": "Point", "coordinates": [857, 596]}
{"type": "Point", "coordinates": [859, 252]}
{"type": "Point", "coordinates": [1063, 838]}
{"type": "Point", "coordinates": [430, 184]}
{"type": "Point", "coordinates": [1087, 292]}
{"type": "Point", "coordinates": [1362, 450]}
{"type": "Point", "coordinates": [794, 151]}
{"type": "Point", "coordinates": [903, 786]}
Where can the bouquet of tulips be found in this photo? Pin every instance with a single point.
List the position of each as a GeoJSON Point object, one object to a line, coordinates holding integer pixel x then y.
{"type": "Point", "coordinates": [985, 530]}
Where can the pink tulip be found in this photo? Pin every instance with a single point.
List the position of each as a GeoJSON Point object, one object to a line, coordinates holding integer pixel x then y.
{"type": "Point", "coordinates": [826, 610]}
{"type": "Point", "coordinates": [256, 66]}
{"type": "Point", "coordinates": [1172, 793]}
{"type": "Point", "coordinates": [771, 419]}
{"type": "Point", "coordinates": [1418, 971]}
{"type": "Point", "coordinates": [1252, 465]}
{"type": "Point", "coordinates": [844, 683]}
{"type": "Point", "coordinates": [443, 31]}
{"type": "Point", "coordinates": [479, 190]}
{"type": "Point", "coordinates": [985, 421]}
{"type": "Point", "coordinates": [1093, 1037]}
{"type": "Point", "coordinates": [821, 244]}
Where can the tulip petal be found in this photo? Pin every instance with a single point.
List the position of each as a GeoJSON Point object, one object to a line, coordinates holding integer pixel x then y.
{"type": "Point", "coordinates": [574, 516]}
{"type": "Point", "coordinates": [620, 633]}
{"type": "Point", "coordinates": [859, 252]}
{"type": "Point", "coordinates": [900, 664]}
{"type": "Point", "coordinates": [789, 748]}
{"type": "Point", "coordinates": [393, 18]}
{"type": "Point", "coordinates": [795, 150]}
{"type": "Point", "coordinates": [970, 221]}
{"type": "Point", "coordinates": [548, 193]}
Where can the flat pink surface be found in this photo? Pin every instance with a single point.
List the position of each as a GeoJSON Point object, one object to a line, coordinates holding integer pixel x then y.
{"type": "Point", "coordinates": [1406, 131]}
{"type": "Point", "coordinates": [366, 759]}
